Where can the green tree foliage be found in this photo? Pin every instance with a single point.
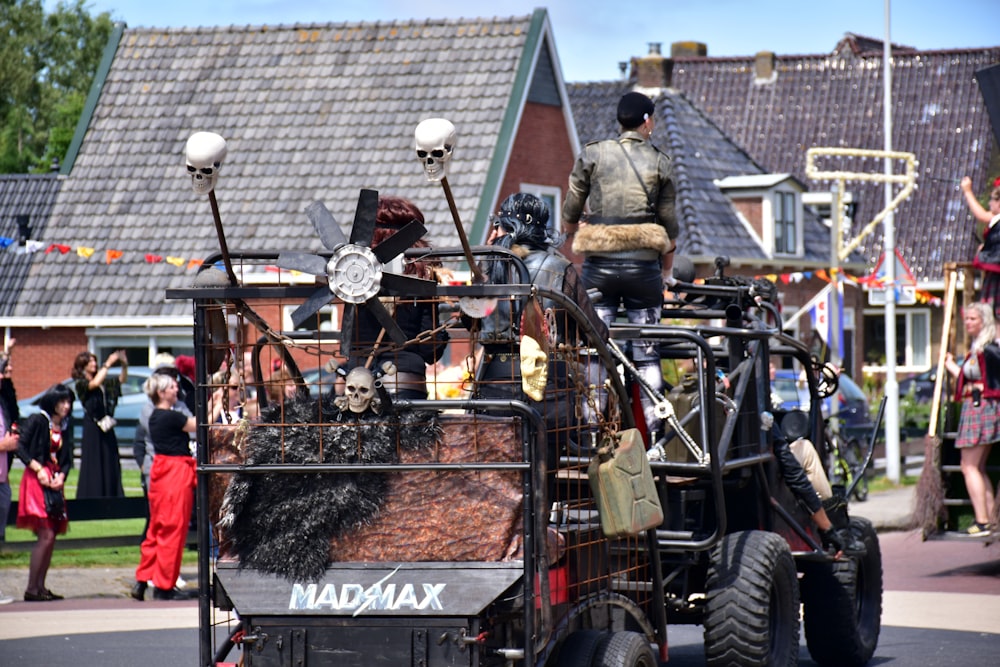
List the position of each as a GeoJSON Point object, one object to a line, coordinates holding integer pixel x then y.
{"type": "Point", "coordinates": [47, 65]}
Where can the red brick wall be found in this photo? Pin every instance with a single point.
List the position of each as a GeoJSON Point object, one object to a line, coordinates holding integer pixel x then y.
{"type": "Point", "coordinates": [542, 153]}
{"type": "Point", "coordinates": [43, 357]}
{"type": "Point", "coordinates": [751, 208]}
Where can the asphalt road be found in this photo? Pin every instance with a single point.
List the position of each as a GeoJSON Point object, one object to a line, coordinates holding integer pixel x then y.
{"type": "Point", "coordinates": [941, 608]}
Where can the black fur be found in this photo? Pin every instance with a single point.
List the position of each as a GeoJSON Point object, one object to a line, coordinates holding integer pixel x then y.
{"type": "Point", "coordinates": [282, 523]}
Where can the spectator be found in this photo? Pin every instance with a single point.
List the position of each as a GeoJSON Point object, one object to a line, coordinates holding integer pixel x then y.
{"type": "Point", "coordinates": [48, 457]}
{"type": "Point", "coordinates": [100, 464]}
{"type": "Point", "coordinates": [978, 388]}
{"type": "Point", "coordinates": [8, 441]}
{"type": "Point", "coordinates": [987, 257]}
{"type": "Point", "coordinates": [171, 484]}
{"type": "Point", "coordinates": [629, 238]}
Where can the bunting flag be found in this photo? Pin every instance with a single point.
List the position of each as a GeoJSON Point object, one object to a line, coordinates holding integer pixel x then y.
{"type": "Point", "coordinates": [63, 249]}
{"type": "Point", "coordinates": [176, 261]}
{"type": "Point", "coordinates": [112, 255]}
{"type": "Point", "coordinates": [33, 246]}
{"type": "Point", "coordinates": [4, 242]}
{"type": "Point", "coordinates": [194, 263]}
{"type": "Point", "coordinates": [153, 259]}
{"type": "Point", "coordinates": [84, 252]}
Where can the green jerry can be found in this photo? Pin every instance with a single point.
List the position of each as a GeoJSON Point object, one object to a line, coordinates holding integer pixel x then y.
{"type": "Point", "coordinates": [622, 484]}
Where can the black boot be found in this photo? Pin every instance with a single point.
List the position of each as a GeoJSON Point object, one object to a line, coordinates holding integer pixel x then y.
{"type": "Point", "coordinates": [139, 590]}
{"type": "Point", "coordinates": [840, 536]}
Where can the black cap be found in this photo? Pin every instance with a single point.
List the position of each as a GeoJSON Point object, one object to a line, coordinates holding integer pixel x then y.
{"type": "Point", "coordinates": [634, 109]}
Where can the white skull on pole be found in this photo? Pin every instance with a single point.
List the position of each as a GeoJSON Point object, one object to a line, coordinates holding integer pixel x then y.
{"type": "Point", "coordinates": [205, 152]}
{"type": "Point", "coordinates": [435, 143]}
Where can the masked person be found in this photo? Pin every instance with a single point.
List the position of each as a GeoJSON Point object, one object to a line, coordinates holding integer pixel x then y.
{"type": "Point", "coordinates": [628, 239]}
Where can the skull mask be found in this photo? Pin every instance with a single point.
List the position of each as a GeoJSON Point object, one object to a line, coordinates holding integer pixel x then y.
{"type": "Point", "coordinates": [534, 368]}
{"type": "Point", "coordinates": [359, 389]}
{"type": "Point", "coordinates": [205, 152]}
{"type": "Point", "coordinates": [435, 142]}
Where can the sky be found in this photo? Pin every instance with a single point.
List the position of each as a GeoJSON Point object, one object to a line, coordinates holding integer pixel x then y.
{"type": "Point", "coordinates": [592, 37]}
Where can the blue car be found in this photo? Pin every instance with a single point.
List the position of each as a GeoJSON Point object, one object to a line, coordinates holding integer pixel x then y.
{"type": "Point", "coordinates": [849, 402]}
{"type": "Point", "coordinates": [127, 413]}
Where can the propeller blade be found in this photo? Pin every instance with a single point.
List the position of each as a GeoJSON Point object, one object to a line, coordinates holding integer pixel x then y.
{"type": "Point", "coordinates": [301, 261]}
{"type": "Point", "coordinates": [347, 328]}
{"type": "Point", "coordinates": [398, 285]}
{"type": "Point", "coordinates": [326, 226]}
{"type": "Point", "coordinates": [364, 218]}
{"type": "Point", "coordinates": [385, 319]}
{"type": "Point", "coordinates": [400, 241]}
{"type": "Point", "coordinates": [311, 306]}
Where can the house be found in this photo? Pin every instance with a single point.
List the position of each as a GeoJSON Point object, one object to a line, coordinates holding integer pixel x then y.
{"type": "Point", "coordinates": [309, 112]}
{"type": "Point", "coordinates": [777, 106]}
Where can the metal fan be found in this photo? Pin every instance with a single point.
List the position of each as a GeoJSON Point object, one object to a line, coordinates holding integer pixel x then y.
{"type": "Point", "coordinates": [355, 271]}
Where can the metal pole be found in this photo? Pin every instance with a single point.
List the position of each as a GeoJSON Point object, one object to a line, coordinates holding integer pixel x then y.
{"type": "Point", "coordinates": [889, 238]}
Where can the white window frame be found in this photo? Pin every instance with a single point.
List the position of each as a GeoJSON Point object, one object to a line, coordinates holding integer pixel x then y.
{"type": "Point", "coordinates": [778, 199]}
{"type": "Point", "coordinates": [909, 365]}
{"type": "Point", "coordinates": [329, 314]}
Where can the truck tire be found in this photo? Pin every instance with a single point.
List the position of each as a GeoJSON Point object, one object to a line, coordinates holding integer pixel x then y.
{"type": "Point", "coordinates": [625, 649]}
{"type": "Point", "coordinates": [752, 606]}
{"type": "Point", "coordinates": [579, 649]}
{"type": "Point", "coordinates": [842, 604]}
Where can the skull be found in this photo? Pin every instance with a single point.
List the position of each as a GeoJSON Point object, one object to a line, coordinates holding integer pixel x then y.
{"type": "Point", "coordinates": [360, 389]}
{"type": "Point", "coordinates": [534, 368]}
{"type": "Point", "coordinates": [435, 142]}
{"type": "Point", "coordinates": [205, 152]}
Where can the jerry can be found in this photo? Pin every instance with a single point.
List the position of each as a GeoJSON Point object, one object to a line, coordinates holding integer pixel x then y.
{"type": "Point", "coordinates": [682, 397]}
{"type": "Point", "coordinates": [622, 484]}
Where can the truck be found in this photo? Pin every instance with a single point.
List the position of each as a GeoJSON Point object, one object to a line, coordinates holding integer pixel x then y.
{"type": "Point", "coordinates": [343, 525]}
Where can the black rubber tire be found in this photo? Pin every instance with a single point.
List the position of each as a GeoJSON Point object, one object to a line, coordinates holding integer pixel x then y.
{"type": "Point", "coordinates": [579, 649]}
{"type": "Point", "coordinates": [752, 605]}
{"type": "Point", "coordinates": [842, 604]}
{"type": "Point", "coordinates": [625, 649]}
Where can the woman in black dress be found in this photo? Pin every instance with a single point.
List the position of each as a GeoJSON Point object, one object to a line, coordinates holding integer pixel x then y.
{"type": "Point", "coordinates": [100, 465]}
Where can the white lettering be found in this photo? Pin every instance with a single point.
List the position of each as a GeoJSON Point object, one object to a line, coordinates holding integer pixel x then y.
{"type": "Point", "coordinates": [327, 598]}
{"type": "Point", "coordinates": [356, 598]}
{"type": "Point", "coordinates": [431, 592]}
{"type": "Point", "coordinates": [302, 598]}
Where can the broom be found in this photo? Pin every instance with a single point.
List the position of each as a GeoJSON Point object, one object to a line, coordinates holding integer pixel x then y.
{"type": "Point", "coordinates": [928, 500]}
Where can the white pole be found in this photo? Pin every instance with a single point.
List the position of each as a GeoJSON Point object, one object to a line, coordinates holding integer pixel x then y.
{"type": "Point", "coordinates": [889, 239]}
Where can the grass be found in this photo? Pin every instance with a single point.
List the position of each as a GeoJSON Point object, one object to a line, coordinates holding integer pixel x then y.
{"type": "Point", "coordinates": [883, 483]}
{"type": "Point", "coordinates": [96, 557]}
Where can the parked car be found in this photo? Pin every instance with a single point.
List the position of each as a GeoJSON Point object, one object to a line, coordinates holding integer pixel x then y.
{"type": "Point", "coordinates": [127, 413]}
{"type": "Point", "coordinates": [921, 384]}
{"type": "Point", "coordinates": [851, 402]}
{"type": "Point", "coordinates": [319, 380]}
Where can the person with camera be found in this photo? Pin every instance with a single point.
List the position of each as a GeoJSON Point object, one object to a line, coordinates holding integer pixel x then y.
{"type": "Point", "coordinates": [978, 388]}
{"type": "Point", "coordinates": [46, 449]}
{"type": "Point", "coordinates": [99, 391]}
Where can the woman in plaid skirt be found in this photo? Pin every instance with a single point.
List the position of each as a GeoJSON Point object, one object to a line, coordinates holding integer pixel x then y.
{"type": "Point", "coordinates": [987, 258]}
{"type": "Point", "coordinates": [979, 426]}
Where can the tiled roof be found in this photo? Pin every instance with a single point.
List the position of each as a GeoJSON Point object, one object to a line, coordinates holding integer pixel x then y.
{"type": "Point", "coordinates": [701, 154]}
{"type": "Point", "coordinates": [309, 112]}
{"type": "Point", "coordinates": [21, 195]}
{"type": "Point", "coordinates": [836, 101]}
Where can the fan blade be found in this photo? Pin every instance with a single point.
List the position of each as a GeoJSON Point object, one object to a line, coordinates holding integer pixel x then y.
{"type": "Point", "coordinates": [311, 306]}
{"type": "Point", "coordinates": [385, 319]}
{"type": "Point", "coordinates": [347, 328]}
{"type": "Point", "coordinates": [326, 226]}
{"type": "Point", "coordinates": [397, 285]}
{"type": "Point", "coordinates": [364, 218]}
{"type": "Point", "coordinates": [400, 241]}
{"type": "Point", "coordinates": [300, 261]}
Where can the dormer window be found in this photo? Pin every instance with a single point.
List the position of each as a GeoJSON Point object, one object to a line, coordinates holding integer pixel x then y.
{"type": "Point", "coordinates": [786, 237]}
{"type": "Point", "coordinates": [770, 205]}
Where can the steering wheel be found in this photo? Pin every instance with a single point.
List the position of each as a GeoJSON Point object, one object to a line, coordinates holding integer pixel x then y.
{"type": "Point", "coordinates": [829, 378]}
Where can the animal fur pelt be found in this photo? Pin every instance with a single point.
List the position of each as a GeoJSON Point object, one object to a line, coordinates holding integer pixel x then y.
{"type": "Point", "coordinates": [282, 523]}
{"type": "Point", "coordinates": [592, 239]}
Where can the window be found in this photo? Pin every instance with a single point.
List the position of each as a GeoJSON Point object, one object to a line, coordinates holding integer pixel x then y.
{"type": "Point", "coordinates": [139, 344]}
{"type": "Point", "coordinates": [551, 196]}
{"type": "Point", "coordinates": [913, 340]}
{"type": "Point", "coordinates": [326, 319]}
{"type": "Point", "coordinates": [785, 236]}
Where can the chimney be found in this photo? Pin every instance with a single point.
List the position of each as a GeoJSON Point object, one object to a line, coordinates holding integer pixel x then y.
{"type": "Point", "coordinates": [653, 70]}
{"type": "Point", "coordinates": [688, 50]}
{"type": "Point", "coordinates": [763, 66]}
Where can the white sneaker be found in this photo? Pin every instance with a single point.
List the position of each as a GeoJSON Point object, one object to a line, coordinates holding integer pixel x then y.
{"type": "Point", "coordinates": [5, 599]}
{"type": "Point", "coordinates": [181, 583]}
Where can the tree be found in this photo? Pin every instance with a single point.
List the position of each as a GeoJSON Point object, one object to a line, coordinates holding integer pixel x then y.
{"type": "Point", "coordinates": [47, 66]}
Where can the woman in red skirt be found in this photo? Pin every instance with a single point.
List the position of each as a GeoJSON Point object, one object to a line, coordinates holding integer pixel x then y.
{"type": "Point", "coordinates": [171, 490]}
{"type": "Point", "coordinates": [48, 458]}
